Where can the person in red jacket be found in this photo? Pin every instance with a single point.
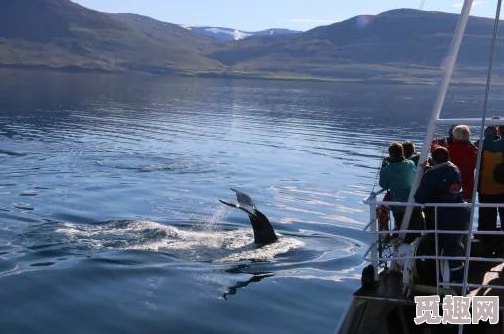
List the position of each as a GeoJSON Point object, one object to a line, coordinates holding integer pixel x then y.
{"type": "Point", "coordinates": [463, 154]}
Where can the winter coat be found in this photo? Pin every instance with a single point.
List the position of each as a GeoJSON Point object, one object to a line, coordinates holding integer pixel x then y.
{"type": "Point", "coordinates": [493, 149]}
{"type": "Point", "coordinates": [398, 177]}
{"type": "Point", "coordinates": [443, 184]}
{"type": "Point", "coordinates": [415, 158]}
{"type": "Point", "coordinates": [464, 155]}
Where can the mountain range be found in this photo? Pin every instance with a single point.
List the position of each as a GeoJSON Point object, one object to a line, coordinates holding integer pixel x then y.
{"type": "Point", "coordinates": [398, 45]}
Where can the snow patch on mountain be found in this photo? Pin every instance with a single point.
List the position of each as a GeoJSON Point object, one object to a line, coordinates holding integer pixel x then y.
{"type": "Point", "coordinates": [229, 34]}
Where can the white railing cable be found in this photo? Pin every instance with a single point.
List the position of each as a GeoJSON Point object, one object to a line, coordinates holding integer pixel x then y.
{"type": "Point", "coordinates": [376, 259]}
{"type": "Point", "coordinates": [477, 286]}
{"type": "Point", "coordinates": [425, 232]}
{"type": "Point", "coordinates": [436, 111]}
{"type": "Point", "coordinates": [373, 203]}
{"type": "Point", "coordinates": [470, 121]}
{"type": "Point", "coordinates": [441, 257]}
{"type": "Point", "coordinates": [444, 205]}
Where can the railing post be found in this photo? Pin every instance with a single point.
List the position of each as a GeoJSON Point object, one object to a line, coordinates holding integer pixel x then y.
{"type": "Point", "coordinates": [436, 244]}
{"type": "Point", "coordinates": [374, 236]}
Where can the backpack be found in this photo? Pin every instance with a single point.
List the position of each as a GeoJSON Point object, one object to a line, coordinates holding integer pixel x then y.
{"type": "Point", "coordinates": [498, 173]}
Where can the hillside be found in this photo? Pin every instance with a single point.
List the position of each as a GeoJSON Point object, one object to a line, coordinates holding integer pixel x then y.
{"type": "Point", "coordinates": [167, 33]}
{"type": "Point", "coordinates": [62, 35]}
{"type": "Point", "coordinates": [387, 46]}
{"type": "Point", "coordinates": [399, 45]}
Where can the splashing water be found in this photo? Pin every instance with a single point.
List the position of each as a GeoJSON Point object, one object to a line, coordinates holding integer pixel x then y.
{"type": "Point", "coordinates": [206, 245]}
{"type": "Point", "coordinates": [214, 223]}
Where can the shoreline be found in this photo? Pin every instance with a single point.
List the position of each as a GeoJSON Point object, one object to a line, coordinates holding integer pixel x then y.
{"type": "Point", "coordinates": [286, 76]}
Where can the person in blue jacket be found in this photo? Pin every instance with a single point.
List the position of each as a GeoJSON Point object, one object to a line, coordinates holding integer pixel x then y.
{"type": "Point", "coordinates": [397, 176]}
{"type": "Point", "coordinates": [443, 184]}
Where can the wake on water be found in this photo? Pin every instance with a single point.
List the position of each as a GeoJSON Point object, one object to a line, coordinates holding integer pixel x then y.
{"type": "Point", "coordinates": [206, 242]}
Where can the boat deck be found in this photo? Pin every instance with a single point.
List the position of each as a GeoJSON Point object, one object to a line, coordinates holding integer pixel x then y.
{"type": "Point", "coordinates": [386, 301]}
{"type": "Point", "coordinates": [488, 274]}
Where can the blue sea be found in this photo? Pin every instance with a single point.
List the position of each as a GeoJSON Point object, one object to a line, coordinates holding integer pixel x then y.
{"type": "Point", "coordinates": [109, 187]}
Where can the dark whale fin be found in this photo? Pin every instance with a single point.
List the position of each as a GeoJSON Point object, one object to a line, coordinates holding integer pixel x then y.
{"type": "Point", "coordinates": [263, 231]}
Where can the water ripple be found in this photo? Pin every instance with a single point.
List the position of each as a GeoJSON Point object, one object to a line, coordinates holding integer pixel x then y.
{"type": "Point", "coordinates": [110, 187]}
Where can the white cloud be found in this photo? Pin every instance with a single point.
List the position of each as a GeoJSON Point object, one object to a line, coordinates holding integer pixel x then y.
{"type": "Point", "coordinates": [460, 4]}
{"type": "Point", "coordinates": [312, 21]}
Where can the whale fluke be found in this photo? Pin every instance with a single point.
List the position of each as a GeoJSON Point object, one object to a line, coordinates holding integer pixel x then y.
{"type": "Point", "coordinates": [263, 231]}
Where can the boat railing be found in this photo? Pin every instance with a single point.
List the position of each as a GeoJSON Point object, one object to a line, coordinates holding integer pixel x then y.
{"type": "Point", "coordinates": [382, 253]}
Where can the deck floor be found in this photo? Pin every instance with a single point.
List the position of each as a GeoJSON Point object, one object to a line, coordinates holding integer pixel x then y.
{"type": "Point", "coordinates": [482, 273]}
{"type": "Point", "coordinates": [384, 308]}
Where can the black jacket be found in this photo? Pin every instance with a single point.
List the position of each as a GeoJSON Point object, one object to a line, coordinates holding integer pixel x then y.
{"type": "Point", "coordinates": [443, 184]}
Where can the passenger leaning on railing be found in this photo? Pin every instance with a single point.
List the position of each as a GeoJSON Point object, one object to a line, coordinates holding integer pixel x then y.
{"type": "Point", "coordinates": [443, 184]}
{"type": "Point", "coordinates": [397, 175]}
{"type": "Point", "coordinates": [490, 191]}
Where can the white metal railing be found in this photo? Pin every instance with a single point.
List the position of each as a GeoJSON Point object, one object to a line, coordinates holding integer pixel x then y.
{"type": "Point", "coordinates": [470, 121]}
{"type": "Point", "coordinates": [376, 257]}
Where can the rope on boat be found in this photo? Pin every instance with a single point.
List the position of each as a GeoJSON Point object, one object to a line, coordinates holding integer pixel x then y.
{"type": "Point", "coordinates": [493, 48]}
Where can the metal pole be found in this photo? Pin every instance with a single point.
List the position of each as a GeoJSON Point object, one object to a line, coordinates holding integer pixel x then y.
{"type": "Point", "coordinates": [375, 237]}
{"type": "Point", "coordinates": [437, 249]}
{"type": "Point", "coordinates": [450, 65]}
{"type": "Point", "coordinates": [480, 146]}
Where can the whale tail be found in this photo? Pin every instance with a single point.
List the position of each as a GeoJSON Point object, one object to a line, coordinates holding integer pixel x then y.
{"type": "Point", "coordinates": [263, 231]}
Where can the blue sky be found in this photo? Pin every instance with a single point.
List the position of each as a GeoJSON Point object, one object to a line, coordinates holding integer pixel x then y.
{"type": "Point", "coordinates": [254, 15]}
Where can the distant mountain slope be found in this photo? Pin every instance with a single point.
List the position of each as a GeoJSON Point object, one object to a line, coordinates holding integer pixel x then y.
{"type": "Point", "coordinates": [45, 21]}
{"type": "Point", "coordinates": [228, 34]}
{"type": "Point", "coordinates": [399, 45]}
{"type": "Point", "coordinates": [165, 32]}
{"type": "Point", "coordinates": [62, 34]}
{"type": "Point", "coordinates": [364, 46]}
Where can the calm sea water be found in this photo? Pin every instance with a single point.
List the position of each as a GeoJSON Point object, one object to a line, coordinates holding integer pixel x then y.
{"type": "Point", "coordinates": [109, 188]}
